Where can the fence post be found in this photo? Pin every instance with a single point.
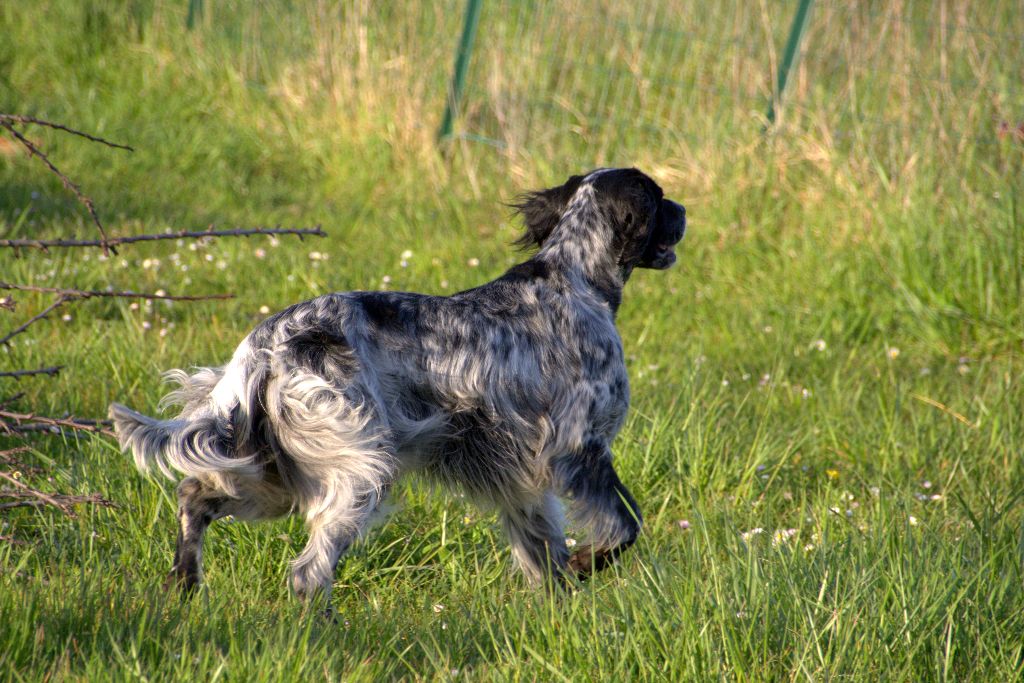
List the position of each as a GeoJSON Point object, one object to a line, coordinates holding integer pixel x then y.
{"type": "Point", "coordinates": [796, 34]}
{"type": "Point", "coordinates": [454, 94]}
{"type": "Point", "coordinates": [195, 12]}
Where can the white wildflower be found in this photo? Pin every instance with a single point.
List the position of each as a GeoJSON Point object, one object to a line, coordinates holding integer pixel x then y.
{"type": "Point", "coordinates": [783, 535]}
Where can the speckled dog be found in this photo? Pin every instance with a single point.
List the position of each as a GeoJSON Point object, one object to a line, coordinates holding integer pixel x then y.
{"type": "Point", "coordinates": [512, 392]}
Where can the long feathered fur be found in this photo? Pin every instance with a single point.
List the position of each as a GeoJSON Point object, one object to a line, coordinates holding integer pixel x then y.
{"type": "Point", "coordinates": [512, 391]}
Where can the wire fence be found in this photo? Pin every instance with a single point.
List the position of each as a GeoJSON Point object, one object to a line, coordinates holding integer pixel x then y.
{"type": "Point", "coordinates": [571, 83]}
{"type": "Point", "coordinates": [608, 82]}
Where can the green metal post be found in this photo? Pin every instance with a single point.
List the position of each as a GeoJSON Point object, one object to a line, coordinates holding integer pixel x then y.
{"type": "Point", "coordinates": [195, 12]}
{"type": "Point", "coordinates": [796, 34]}
{"type": "Point", "coordinates": [451, 106]}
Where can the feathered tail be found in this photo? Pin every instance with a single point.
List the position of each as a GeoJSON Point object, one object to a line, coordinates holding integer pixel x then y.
{"type": "Point", "coordinates": [209, 436]}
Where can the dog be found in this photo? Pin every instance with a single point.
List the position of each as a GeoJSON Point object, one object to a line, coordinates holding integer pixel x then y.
{"type": "Point", "coordinates": [511, 392]}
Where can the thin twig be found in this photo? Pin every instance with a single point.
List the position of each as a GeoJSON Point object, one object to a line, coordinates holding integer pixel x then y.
{"type": "Point", "coordinates": [95, 499]}
{"type": "Point", "coordinates": [38, 316]}
{"type": "Point", "coordinates": [7, 456]}
{"type": "Point", "coordinates": [11, 400]}
{"type": "Point", "coordinates": [35, 421]}
{"type": "Point", "coordinates": [126, 294]}
{"type": "Point", "coordinates": [15, 118]}
{"type": "Point", "coordinates": [181, 234]}
{"type": "Point", "coordinates": [52, 372]}
{"type": "Point", "coordinates": [27, 496]}
{"type": "Point", "coordinates": [21, 504]}
{"type": "Point", "coordinates": [72, 187]}
{"type": "Point", "coordinates": [87, 420]}
{"type": "Point", "coordinates": [38, 494]}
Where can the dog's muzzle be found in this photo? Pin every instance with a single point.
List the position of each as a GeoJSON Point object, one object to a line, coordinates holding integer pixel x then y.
{"type": "Point", "coordinates": [669, 231]}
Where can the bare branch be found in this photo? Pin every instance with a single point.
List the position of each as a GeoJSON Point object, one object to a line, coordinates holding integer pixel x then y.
{"type": "Point", "coordinates": [37, 494]}
{"type": "Point", "coordinates": [68, 294]}
{"type": "Point", "coordinates": [11, 400]}
{"type": "Point", "coordinates": [181, 234]}
{"type": "Point", "coordinates": [15, 118]}
{"type": "Point", "coordinates": [27, 422]}
{"type": "Point", "coordinates": [52, 372]}
{"type": "Point", "coordinates": [27, 496]}
{"type": "Point", "coordinates": [38, 316]}
{"type": "Point", "coordinates": [70, 186]}
{"type": "Point", "coordinates": [8, 455]}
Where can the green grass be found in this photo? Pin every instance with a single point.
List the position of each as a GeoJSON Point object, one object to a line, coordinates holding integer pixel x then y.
{"type": "Point", "coordinates": [845, 325]}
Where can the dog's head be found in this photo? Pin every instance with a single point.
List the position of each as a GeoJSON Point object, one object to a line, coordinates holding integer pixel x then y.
{"type": "Point", "coordinates": [645, 225]}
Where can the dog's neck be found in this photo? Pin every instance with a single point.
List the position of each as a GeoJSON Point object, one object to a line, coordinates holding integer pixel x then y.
{"type": "Point", "coordinates": [583, 244]}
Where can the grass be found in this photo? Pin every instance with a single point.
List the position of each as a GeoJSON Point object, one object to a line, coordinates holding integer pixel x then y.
{"type": "Point", "coordinates": [836, 359]}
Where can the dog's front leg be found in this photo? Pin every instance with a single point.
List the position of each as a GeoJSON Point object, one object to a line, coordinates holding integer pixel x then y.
{"type": "Point", "coordinates": [536, 531]}
{"type": "Point", "coordinates": [601, 503]}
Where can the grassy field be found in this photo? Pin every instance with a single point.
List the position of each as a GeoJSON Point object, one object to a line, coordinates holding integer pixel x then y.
{"type": "Point", "coordinates": [826, 426]}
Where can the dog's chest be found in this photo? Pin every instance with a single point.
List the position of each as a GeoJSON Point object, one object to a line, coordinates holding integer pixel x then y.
{"type": "Point", "coordinates": [601, 396]}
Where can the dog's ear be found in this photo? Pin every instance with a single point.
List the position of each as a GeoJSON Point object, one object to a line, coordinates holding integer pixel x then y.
{"type": "Point", "coordinates": [542, 210]}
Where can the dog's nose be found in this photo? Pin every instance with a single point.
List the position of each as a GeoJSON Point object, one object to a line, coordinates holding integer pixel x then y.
{"type": "Point", "coordinates": [676, 212]}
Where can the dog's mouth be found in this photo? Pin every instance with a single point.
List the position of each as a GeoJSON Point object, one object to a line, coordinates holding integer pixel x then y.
{"type": "Point", "coordinates": [664, 255]}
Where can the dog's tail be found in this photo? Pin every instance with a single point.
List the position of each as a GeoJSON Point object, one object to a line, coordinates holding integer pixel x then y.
{"type": "Point", "coordinates": [208, 438]}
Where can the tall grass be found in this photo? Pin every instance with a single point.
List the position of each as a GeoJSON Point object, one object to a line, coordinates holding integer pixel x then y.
{"type": "Point", "coordinates": [836, 360]}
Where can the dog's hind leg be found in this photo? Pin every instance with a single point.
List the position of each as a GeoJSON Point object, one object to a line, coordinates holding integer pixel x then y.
{"type": "Point", "coordinates": [601, 503]}
{"type": "Point", "coordinates": [200, 503]}
{"type": "Point", "coordinates": [333, 528]}
{"type": "Point", "coordinates": [538, 541]}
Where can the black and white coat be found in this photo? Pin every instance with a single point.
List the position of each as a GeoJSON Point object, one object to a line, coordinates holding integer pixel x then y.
{"type": "Point", "coordinates": [512, 392]}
